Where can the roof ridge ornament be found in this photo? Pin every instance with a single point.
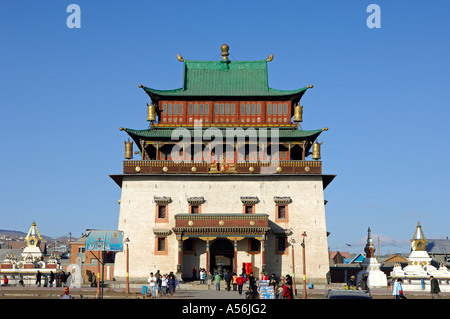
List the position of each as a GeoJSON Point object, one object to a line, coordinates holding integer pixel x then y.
{"type": "Point", "coordinates": [270, 58]}
{"type": "Point", "coordinates": [180, 58]}
{"type": "Point", "coordinates": [225, 53]}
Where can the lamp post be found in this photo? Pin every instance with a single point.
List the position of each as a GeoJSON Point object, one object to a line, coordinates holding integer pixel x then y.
{"type": "Point", "coordinates": [294, 287]}
{"type": "Point", "coordinates": [127, 240]}
{"type": "Point", "coordinates": [304, 265]}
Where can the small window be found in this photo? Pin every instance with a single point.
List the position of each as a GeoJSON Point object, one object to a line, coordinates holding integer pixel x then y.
{"type": "Point", "coordinates": [258, 109]}
{"type": "Point", "coordinates": [175, 109]}
{"type": "Point", "coordinates": [165, 109]}
{"type": "Point", "coordinates": [207, 108]}
{"type": "Point", "coordinates": [274, 109]}
{"type": "Point", "coordinates": [221, 109]}
{"type": "Point", "coordinates": [248, 209]}
{"type": "Point", "coordinates": [247, 111]}
{"type": "Point", "coordinates": [242, 109]}
{"type": "Point", "coordinates": [281, 212]}
{"type": "Point", "coordinates": [232, 108]}
{"type": "Point", "coordinates": [162, 211]}
{"type": "Point", "coordinates": [191, 108]}
{"type": "Point", "coordinates": [170, 109]}
{"type": "Point", "coordinates": [216, 108]}
{"type": "Point", "coordinates": [285, 109]}
{"type": "Point", "coordinates": [280, 109]}
{"type": "Point", "coordinates": [181, 109]}
{"type": "Point", "coordinates": [161, 244]}
{"type": "Point", "coordinates": [281, 244]}
{"type": "Point", "coordinates": [195, 209]}
{"type": "Point", "coordinates": [253, 109]}
{"type": "Point", "coordinates": [227, 109]}
{"type": "Point", "coordinates": [195, 109]}
{"type": "Point", "coordinates": [269, 109]}
{"type": "Point", "coordinates": [200, 110]}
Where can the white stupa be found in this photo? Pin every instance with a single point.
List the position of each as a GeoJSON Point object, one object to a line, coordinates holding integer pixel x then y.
{"type": "Point", "coordinates": [376, 278]}
{"type": "Point", "coordinates": [32, 252]}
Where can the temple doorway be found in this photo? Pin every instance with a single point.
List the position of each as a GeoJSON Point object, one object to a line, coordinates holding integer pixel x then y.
{"type": "Point", "coordinates": [221, 256]}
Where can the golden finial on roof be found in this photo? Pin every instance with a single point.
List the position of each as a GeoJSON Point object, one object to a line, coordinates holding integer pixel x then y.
{"type": "Point", "coordinates": [180, 58]}
{"type": "Point", "coordinates": [270, 58]}
{"type": "Point", "coordinates": [225, 53]}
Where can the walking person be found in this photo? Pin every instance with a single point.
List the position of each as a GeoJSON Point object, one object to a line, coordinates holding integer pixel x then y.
{"type": "Point", "coordinates": [397, 291]}
{"type": "Point", "coordinates": [164, 288]}
{"type": "Point", "coordinates": [435, 290]}
{"type": "Point", "coordinates": [240, 283]}
{"type": "Point", "coordinates": [171, 284]}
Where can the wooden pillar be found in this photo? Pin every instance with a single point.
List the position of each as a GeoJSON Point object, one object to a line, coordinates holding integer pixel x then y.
{"type": "Point", "coordinates": [263, 255]}
{"type": "Point", "coordinates": [180, 252]}
{"type": "Point", "coordinates": [235, 257]}
{"type": "Point", "coordinates": [207, 255]}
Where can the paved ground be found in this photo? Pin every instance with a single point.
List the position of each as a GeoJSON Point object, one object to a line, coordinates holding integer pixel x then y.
{"type": "Point", "coordinates": [187, 291]}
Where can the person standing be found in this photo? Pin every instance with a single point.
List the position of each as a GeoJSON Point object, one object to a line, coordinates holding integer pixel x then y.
{"type": "Point", "coordinates": [228, 279]}
{"type": "Point", "coordinates": [234, 281]}
{"type": "Point", "coordinates": [209, 278]}
{"type": "Point", "coordinates": [52, 278]}
{"type": "Point", "coordinates": [152, 284]}
{"type": "Point", "coordinates": [273, 282]}
{"type": "Point", "coordinates": [38, 278]}
{"type": "Point", "coordinates": [171, 283]}
{"type": "Point", "coordinates": [194, 273]}
{"type": "Point", "coordinates": [435, 290]}
{"type": "Point", "coordinates": [286, 291]}
{"type": "Point", "coordinates": [217, 281]}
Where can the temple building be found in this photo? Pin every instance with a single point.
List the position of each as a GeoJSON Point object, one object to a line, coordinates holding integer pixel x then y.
{"type": "Point", "coordinates": [226, 178]}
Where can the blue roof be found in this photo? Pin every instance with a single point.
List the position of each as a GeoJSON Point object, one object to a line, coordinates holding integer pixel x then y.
{"type": "Point", "coordinates": [438, 246]}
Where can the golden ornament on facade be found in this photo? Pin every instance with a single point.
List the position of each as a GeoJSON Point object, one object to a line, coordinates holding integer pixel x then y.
{"type": "Point", "coordinates": [165, 169]}
{"type": "Point", "coordinates": [307, 169]}
{"type": "Point", "coordinates": [128, 150]}
{"type": "Point", "coordinates": [298, 113]}
{"type": "Point", "coordinates": [251, 169]}
{"type": "Point", "coordinates": [190, 223]}
{"type": "Point", "coordinates": [316, 150]}
{"type": "Point", "coordinates": [221, 223]}
{"type": "Point", "coordinates": [151, 112]}
{"type": "Point", "coordinates": [138, 169]}
{"type": "Point", "coordinates": [194, 169]}
{"type": "Point", "coordinates": [252, 223]}
{"type": "Point", "coordinates": [279, 169]}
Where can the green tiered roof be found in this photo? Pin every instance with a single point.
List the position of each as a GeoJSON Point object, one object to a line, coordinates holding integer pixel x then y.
{"type": "Point", "coordinates": [284, 134]}
{"type": "Point", "coordinates": [225, 79]}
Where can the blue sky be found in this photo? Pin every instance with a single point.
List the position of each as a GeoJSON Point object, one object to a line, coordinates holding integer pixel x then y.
{"type": "Point", "coordinates": [382, 93]}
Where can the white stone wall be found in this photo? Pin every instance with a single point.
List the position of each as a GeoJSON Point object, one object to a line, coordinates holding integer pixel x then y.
{"type": "Point", "coordinates": [222, 195]}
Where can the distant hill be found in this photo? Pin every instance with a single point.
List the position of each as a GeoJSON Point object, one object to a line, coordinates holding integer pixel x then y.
{"type": "Point", "coordinates": [12, 232]}
{"type": "Point", "coordinates": [20, 233]}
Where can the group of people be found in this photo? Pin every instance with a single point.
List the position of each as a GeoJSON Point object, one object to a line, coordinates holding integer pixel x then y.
{"type": "Point", "coordinates": [161, 285]}
{"type": "Point", "coordinates": [397, 290]}
{"type": "Point", "coordinates": [282, 287]}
